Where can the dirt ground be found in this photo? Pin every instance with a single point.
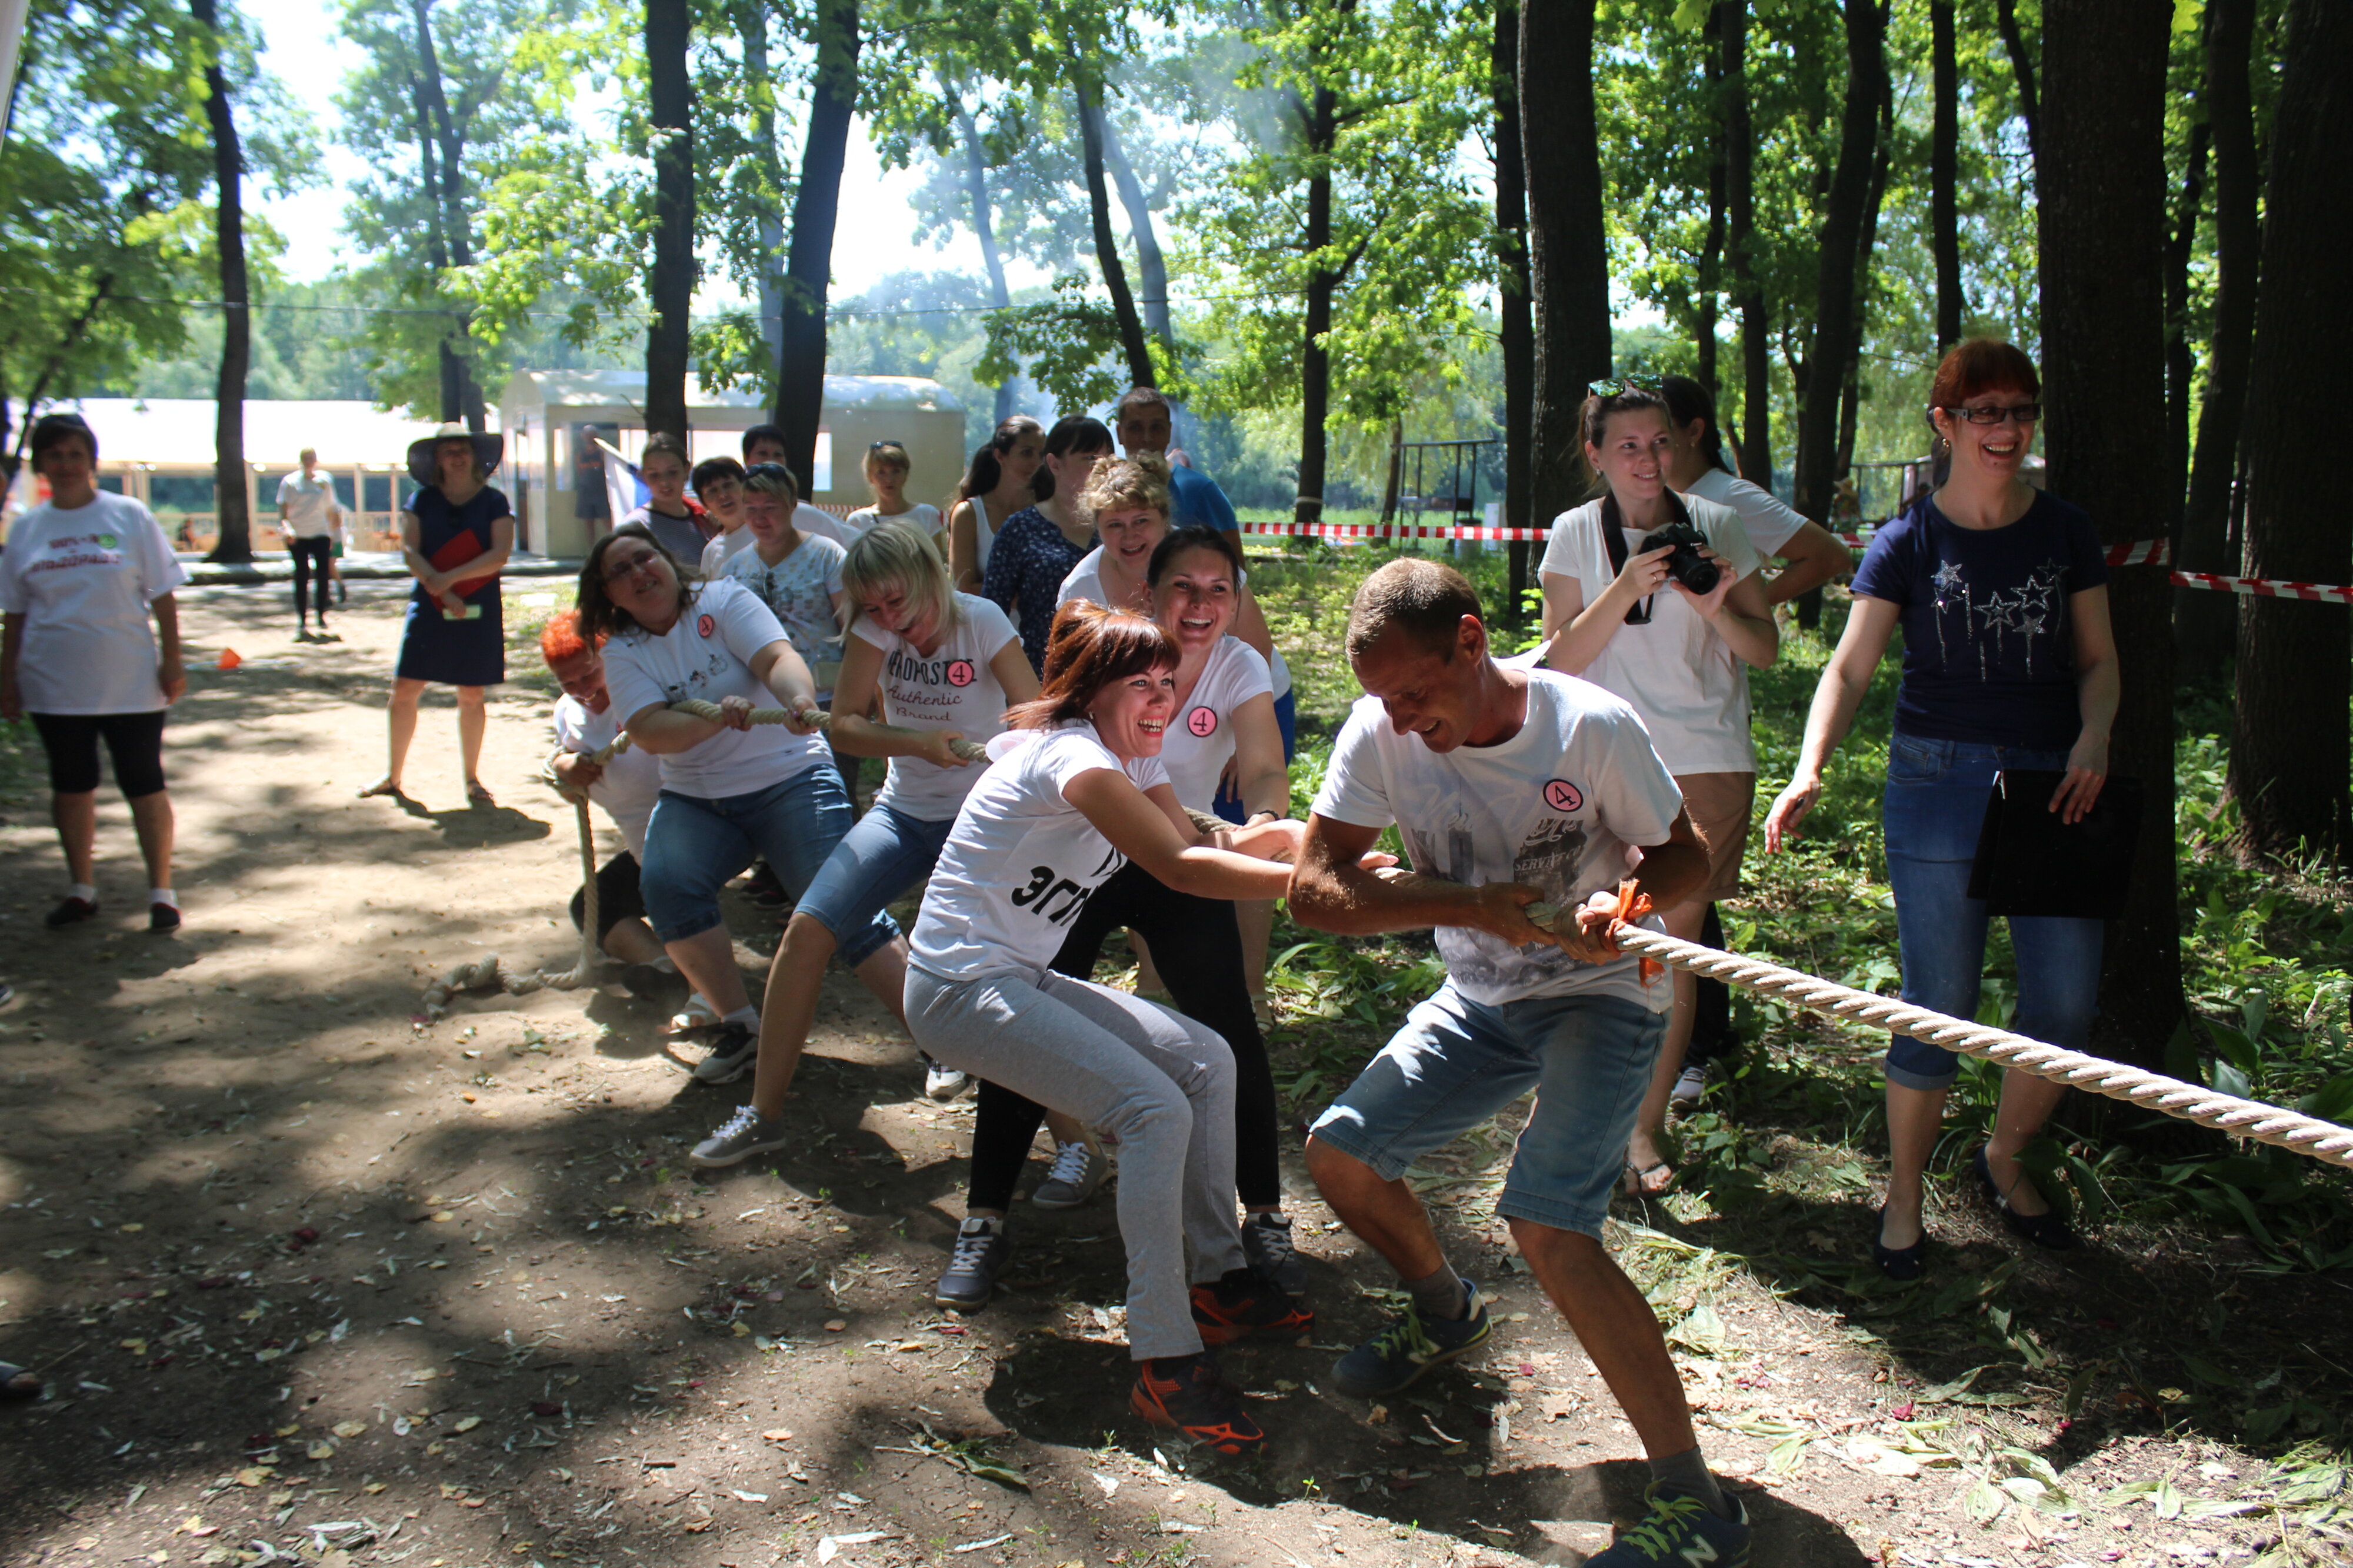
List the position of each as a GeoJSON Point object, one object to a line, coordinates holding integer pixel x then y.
{"type": "Point", "coordinates": [312, 1279]}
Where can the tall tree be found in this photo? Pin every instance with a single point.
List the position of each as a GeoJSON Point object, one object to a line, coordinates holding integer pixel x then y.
{"type": "Point", "coordinates": [769, 226]}
{"type": "Point", "coordinates": [1568, 263]}
{"type": "Point", "coordinates": [232, 484]}
{"type": "Point", "coordinates": [2021, 66]}
{"type": "Point", "coordinates": [1515, 318]}
{"type": "Point", "coordinates": [1087, 84]}
{"type": "Point", "coordinates": [984, 223]}
{"type": "Point", "coordinates": [1150, 267]}
{"type": "Point", "coordinates": [453, 227]}
{"type": "Point", "coordinates": [2289, 750]}
{"type": "Point", "coordinates": [2181, 358]}
{"type": "Point", "coordinates": [2102, 186]}
{"type": "Point", "coordinates": [2204, 622]}
{"type": "Point", "coordinates": [1943, 172]}
{"type": "Point", "coordinates": [1710, 258]}
{"type": "Point", "coordinates": [1748, 286]}
{"type": "Point", "coordinates": [809, 270]}
{"type": "Point", "coordinates": [669, 97]}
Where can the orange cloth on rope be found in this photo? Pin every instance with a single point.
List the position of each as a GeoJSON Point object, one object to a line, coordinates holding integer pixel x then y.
{"type": "Point", "coordinates": [1633, 904]}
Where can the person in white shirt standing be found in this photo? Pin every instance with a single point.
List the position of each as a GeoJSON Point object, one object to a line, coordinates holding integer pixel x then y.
{"type": "Point", "coordinates": [1617, 614]}
{"type": "Point", "coordinates": [887, 468]}
{"type": "Point", "coordinates": [308, 517]}
{"type": "Point", "coordinates": [1509, 786]}
{"type": "Point", "coordinates": [82, 572]}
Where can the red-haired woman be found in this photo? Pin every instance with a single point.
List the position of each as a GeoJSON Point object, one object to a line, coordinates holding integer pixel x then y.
{"type": "Point", "coordinates": [2008, 662]}
{"type": "Point", "coordinates": [1076, 792]}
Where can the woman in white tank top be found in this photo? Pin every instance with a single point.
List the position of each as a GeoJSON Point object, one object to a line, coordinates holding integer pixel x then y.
{"type": "Point", "coordinates": [998, 481]}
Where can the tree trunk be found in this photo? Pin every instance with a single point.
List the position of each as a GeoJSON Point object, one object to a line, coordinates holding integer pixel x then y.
{"type": "Point", "coordinates": [461, 391]}
{"type": "Point", "coordinates": [669, 104]}
{"type": "Point", "coordinates": [2180, 360]}
{"type": "Point", "coordinates": [1089, 91]}
{"type": "Point", "coordinates": [984, 223]}
{"type": "Point", "coordinates": [2205, 624]}
{"type": "Point", "coordinates": [809, 270]}
{"type": "Point", "coordinates": [1850, 394]}
{"type": "Point", "coordinates": [232, 514]}
{"type": "Point", "coordinates": [2021, 66]}
{"type": "Point", "coordinates": [1516, 319]}
{"type": "Point", "coordinates": [1837, 326]}
{"type": "Point", "coordinates": [1943, 174]}
{"type": "Point", "coordinates": [1149, 263]}
{"type": "Point", "coordinates": [753, 28]}
{"type": "Point", "coordinates": [1568, 268]}
{"type": "Point", "coordinates": [2289, 750]}
{"type": "Point", "coordinates": [2102, 213]}
{"type": "Point", "coordinates": [1711, 256]}
{"type": "Point", "coordinates": [437, 253]}
{"type": "Point", "coordinates": [1314, 358]}
{"type": "Point", "coordinates": [1740, 198]}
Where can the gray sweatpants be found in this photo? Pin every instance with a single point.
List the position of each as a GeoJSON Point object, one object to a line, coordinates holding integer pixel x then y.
{"type": "Point", "coordinates": [1161, 1084]}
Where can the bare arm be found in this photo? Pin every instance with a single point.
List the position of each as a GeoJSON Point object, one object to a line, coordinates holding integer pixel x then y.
{"type": "Point", "coordinates": [489, 561]}
{"type": "Point", "coordinates": [1845, 679]}
{"type": "Point", "coordinates": [412, 556]}
{"type": "Point", "coordinates": [1143, 830]}
{"type": "Point", "coordinates": [854, 734]}
{"type": "Point", "coordinates": [2098, 688]}
{"type": "Point", "coordinates": [1813, 555]}
{"type": "Point", "coordinates": [1590, 627]}
{"type": "Point", "coordinates": [169, 673]}
{"type": "Point", "coordinates": [1262, 779]}
{"type": "Point", "coordinates": [1737, 610]}
{"type": "Point", "coordinates": [1332, 890]}
{"type": "Point", "coordinates": [964, 548]}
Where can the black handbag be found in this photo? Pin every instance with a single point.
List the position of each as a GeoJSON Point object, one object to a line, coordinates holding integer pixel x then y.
{"type": "Point", "coordinates": [2029, 862]}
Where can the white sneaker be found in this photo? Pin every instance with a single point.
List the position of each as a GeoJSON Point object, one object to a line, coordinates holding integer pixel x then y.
{"type": "Point", "coordinates": [1078, 1170]}
{"type": "Point", "coordinates": [944, 1082]}
{"type": "Point", "coordinates": [1689, 1085]}
{"type": "Point", "coordinates": [698, 1015]}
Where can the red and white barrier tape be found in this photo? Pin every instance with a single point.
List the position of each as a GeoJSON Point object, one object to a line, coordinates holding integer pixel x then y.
{"type": "Point", "coordinates": [2269, 587]}
{"type": "Point", "coordinates": [1399, 531]}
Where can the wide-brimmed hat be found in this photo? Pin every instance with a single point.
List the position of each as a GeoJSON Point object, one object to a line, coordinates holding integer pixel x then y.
{"type": "Point", "coordinates": [488, 450]}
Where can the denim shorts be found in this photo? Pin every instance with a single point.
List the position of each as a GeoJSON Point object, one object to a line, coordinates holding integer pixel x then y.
{"type": "Point", "coordinates": [887, 855]}
{"type": "Point", "coordinates": [1935, 808]}
{"type": "Point", "coordinates": [1458, 1062]}
{"type": "Point", "coordinates": [694, 843]}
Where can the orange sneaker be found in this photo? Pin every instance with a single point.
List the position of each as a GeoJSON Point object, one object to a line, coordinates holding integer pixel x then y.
{"type": "Point", "coordinates": [1242, 1304]}
{"type": "Point", "coordinates": [1187, 1395]}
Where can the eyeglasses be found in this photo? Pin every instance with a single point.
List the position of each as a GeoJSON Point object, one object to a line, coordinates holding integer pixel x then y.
{"type": "Point", "coordinates": [641, 561]}
{"type": "Point", "coordinates": [2024, 413]}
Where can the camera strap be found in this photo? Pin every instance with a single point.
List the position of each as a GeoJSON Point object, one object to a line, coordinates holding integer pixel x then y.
{"type": "Point", "coordinates": [1613, 542]}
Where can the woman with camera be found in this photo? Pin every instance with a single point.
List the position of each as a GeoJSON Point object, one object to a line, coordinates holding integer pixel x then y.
{"type": "Point", "coordinates": [1654, 597]}
{"type": "Point", "coordinates": [2008, 662]}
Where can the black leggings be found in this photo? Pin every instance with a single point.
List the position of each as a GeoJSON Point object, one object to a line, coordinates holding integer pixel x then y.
{"type": "Point", "coordinates": [618, 897]}
{"type": "Point", "coordinates": [311, 556]}
{"type": "Point", "coordinates": [134, 741]}
{"type": "Point", "coordinates": [1198, 949]}
{"type": "Point", "coordinates": [1712, 1038]}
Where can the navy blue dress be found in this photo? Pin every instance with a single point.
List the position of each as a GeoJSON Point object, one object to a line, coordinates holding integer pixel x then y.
{"type": "Point", "coordinates": [1027, 563]}
{"type": "Point", "coordinates": [433, 646]}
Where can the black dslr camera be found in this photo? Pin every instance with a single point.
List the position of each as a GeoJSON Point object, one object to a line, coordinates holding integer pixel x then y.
{"type": "Point", "coordinates": [1686, 565]}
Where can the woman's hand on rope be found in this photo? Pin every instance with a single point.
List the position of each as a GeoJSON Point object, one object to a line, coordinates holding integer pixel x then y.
{"type": "Point", "coordinates": [1588, 939]}
{"type": "Point", "coordinates": [576, 775]}
{"type": "Point", "coordinates": [735, 713]}
{"type": "Point", "coordinates": [1790, 809]}
{"type": "Point", "coordinates": [939, 750]}
{"type": "Point", "coordinates": [2087, 773]}
{"type": "Point", "coordinates": [1277, 840]}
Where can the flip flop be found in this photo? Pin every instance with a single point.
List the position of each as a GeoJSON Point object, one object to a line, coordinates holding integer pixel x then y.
{"type": "Point", "coordinates": [1636, 1183]}
{"type": "Point", "coordinates": [477, 795]}
{"type": "Point", "coordinates": [385, 787]}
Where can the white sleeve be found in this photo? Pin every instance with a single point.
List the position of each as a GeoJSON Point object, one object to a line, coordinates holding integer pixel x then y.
{"type": "Point", "coordinates": [13, 600]}
{"type": "Point", "coordinates": [1635, 795]}
{"type": "Point", "coordinates": [1560, 556]}
{"type": "Point", "coordinates": [567, 728]}
{"type": "Point", "coordinates": [159, 570]}
{"type": "Point", "coordinates": [715, 555]}
{"type": "Point", "coordinates": [1250, 676]}
{"type": "Point", "coordinates": [1769, 520]}
{"type": "Point", "coordinates": [833, 560]}
{"type": "Point", "coordinates": [746, 625]}
{"type": "Point", "coordinates": [866, 631]}
{"type": "Point", "coordinates": [1356, 790]}
{"type": "Point", "coordinates": [1146, 772]}
{"type": "Point", "coordinates": [632, 688]}
{"type": "Point", "coordinates": [1727, 535]}
{"type": "Point", "coordinates": [1067, 756]}
{"type": "Point", "coordinates": [994, 627]}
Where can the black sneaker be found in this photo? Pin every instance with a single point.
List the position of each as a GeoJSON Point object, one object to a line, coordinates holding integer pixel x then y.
{"type": "Point", "coordinates": [1411, 1345]}
{"type": "Point", "coordinates": [733, 1051]}
{"type": "Point", "coordinates": [163, 916]}
{"type": "Point", "coordinates": [970, 1279]}
{"type": "Point", "coordinates": [1266, 1242]}
{"type": "Point", "coordinates": [70, 911]}
{"type": "Point", "coordinates": [1242, 1304]}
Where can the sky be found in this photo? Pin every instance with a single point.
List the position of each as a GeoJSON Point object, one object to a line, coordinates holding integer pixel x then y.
{"type": "Point", "coordinates": [311, 61]}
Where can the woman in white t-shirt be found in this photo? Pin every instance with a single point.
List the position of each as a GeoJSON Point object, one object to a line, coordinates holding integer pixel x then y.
{"type": "Point", "coordinates": [887, 468]}
{"type": "Point", "coordinates": [945, 666]}
{"type": "Point", "coordinates": [1075, 793]}
{"type": "Point", "coordinates": [1000, 482]}
{"type": "Point", "coordinates": [82, 572]}
{"type": "Point", "coordinates": [730, 790]}
{"type": "Point", "coordinates": [1616, 615]}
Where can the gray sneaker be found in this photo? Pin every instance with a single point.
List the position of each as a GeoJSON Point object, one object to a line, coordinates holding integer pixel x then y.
{"type": "Point", "coordinates": [1266, 1245]}
{"type": "Point", "coordinates": [1690, 1084]}
{"type": "Point", "coordinates": [970, 1279]}
{"type": "Point", "coordinates": [747, 1133]}
{"type": "Point", "coordinates": [1078, 1170]}
{"type": "Point", "coordinates": [733, 1051]}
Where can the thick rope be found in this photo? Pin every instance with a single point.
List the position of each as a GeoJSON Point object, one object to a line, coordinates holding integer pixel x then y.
{"type": "Point", "coordinates": [815, 719]}
{"type": "Point", "coordinates": [2290, 1130]}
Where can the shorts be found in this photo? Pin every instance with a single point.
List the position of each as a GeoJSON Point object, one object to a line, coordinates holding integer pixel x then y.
{"type": "Point", "coordinates": [1457, 1062]}
{"type": "Point", "coordinates": [1286, 718]}
{"type": "Point", "coordinates": [888, 855]}
{"type": "Point", "coordinates": [694, 843]}
{"type": "Point", "coordinates": [133, 740]}
{"type": "Point", "coordinates": [618, 896]}
{"type": "Point", "coordinates": [1720, 806]}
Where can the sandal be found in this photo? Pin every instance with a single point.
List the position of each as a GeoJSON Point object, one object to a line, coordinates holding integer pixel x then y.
{"type": "Point", "coordinates": [477, 795]}
{"type": "Point", "coordinates": [2045, 1230]}
{"type": "Point", "coordinates": [385, 787]}
{"type": "Point", "coordinates": [1636, 1183]}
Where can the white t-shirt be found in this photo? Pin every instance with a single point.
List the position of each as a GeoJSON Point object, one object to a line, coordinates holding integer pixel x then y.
{"type": "Point", "coordinates": [1021, 860]}
{"type": "Point", "coordinates": [706, 655]}
{"type": "Point", "coordinates": [953, 688]}
{"type": "Point", "coordinates": [1200, 740]}
{"type": "Point", "coordinates": [1683, 677]}
{"type": "Point", "coordinates": [824, 524]}
{"type": "Point", "coordinates": [309, 505]}
{"type": "Point", "coordinates": [1769, 520]}
{"type": "Point", "coordinates": [629, 783]}
{"type": "Point", "coordinates": [799, 589]}
{"type": "Point", "coordinates": [1556, 806]}
{"type": "Point", "coordinates": [921, 517]}
{"type": "Point", "coordinates": [718, 552]}
{"type": "Point", "coordinates": [82, 580]}
{"type": "Point", "coordinates": [1085, 582]}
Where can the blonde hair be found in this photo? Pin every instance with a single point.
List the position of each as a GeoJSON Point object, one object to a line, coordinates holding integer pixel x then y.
{"type": "Point", "coordinates": [895, 555]}
{"type": "Point", "coordinates": [1125, 483]}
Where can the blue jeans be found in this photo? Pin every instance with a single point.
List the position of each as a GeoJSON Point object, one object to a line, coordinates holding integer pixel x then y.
{"type": "Point", "coordinates": [880, 859]}
{"type": "Point", "coordinates": [694, 843]}
{"type": "Point", "coordinates": [1457, 1062]}
{"type": "Point", "coordinates": [1935, 808]}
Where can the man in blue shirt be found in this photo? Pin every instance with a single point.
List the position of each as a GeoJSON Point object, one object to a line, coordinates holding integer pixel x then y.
{"type": "Point", "coordinates": [1145, 424]}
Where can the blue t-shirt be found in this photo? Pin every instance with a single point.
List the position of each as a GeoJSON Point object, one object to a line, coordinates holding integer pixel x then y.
{"type": "Point", "coordinates": [1198, 499]}
{"type": "Point", "coordinates": [1988, 644]}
